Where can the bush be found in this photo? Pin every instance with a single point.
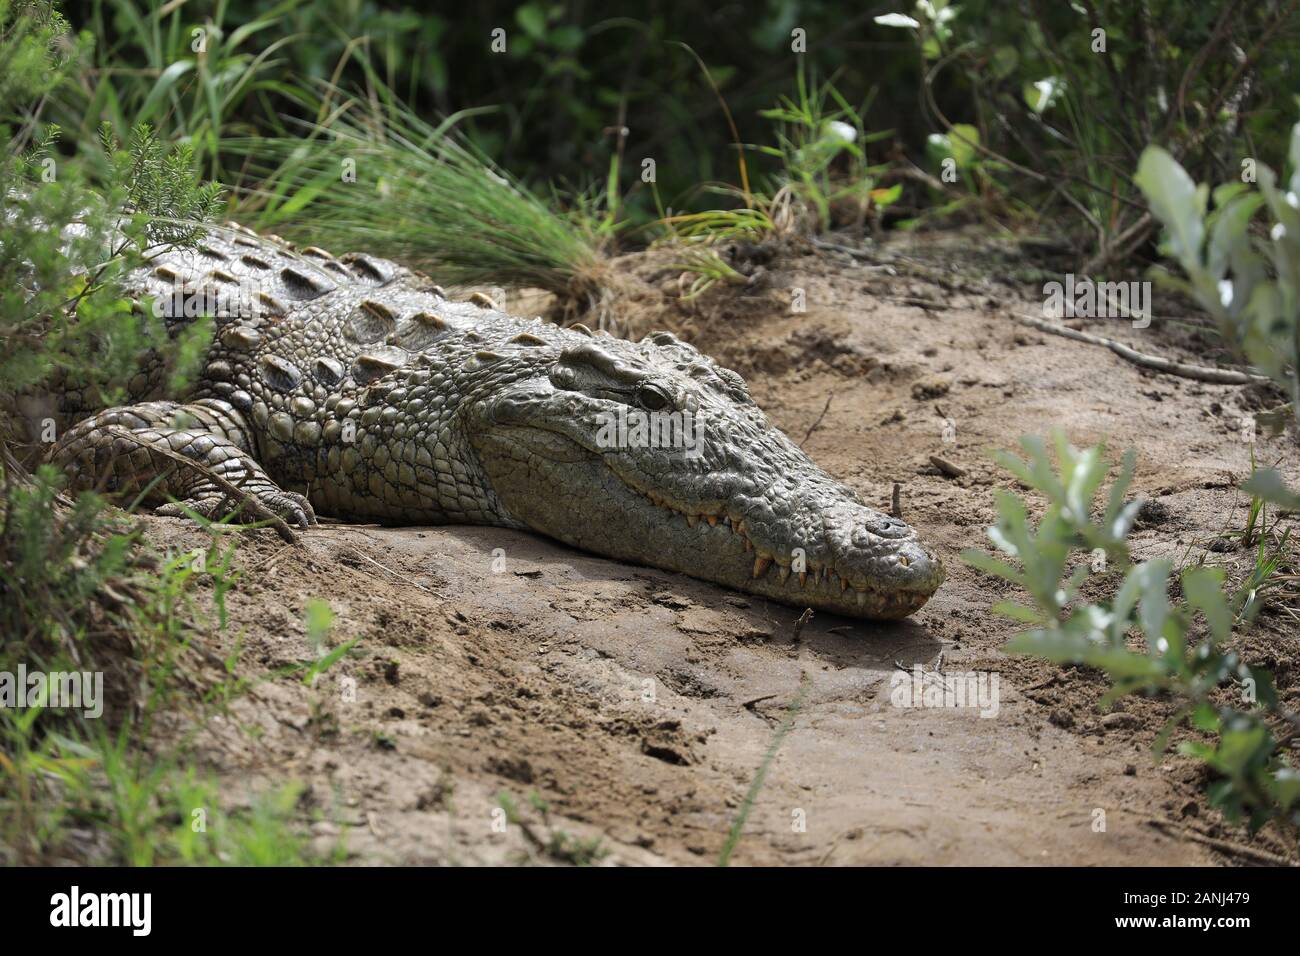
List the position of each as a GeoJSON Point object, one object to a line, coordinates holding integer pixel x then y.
{"type": "Point", "coordinates": [1065, 93]}
{"type": "Point", "coordinates": [1181, 653]}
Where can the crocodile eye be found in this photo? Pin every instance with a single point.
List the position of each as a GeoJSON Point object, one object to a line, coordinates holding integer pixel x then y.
{"type": "Point", "coordinates": [651, 397]}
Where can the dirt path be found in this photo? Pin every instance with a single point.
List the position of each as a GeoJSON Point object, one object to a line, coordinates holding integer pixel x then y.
{"type": "Point", "coordinates": [639, 704]}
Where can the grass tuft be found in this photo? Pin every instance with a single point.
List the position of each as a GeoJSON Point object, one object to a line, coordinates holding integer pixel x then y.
{"type": "Point", "coordinates": [382, 180]}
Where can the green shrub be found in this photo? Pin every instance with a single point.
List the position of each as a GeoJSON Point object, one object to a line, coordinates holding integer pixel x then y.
{"type": "Point", "coordinates": [78, 593]}
{"type": "Point", "coordinates": [1180, 653]}
{"type": "Point", "coordinates": [1066, 93]}
{"type": "Point", "coordinates": [1247, 279]}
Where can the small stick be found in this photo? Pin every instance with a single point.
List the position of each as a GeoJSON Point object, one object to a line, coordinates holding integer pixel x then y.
{"type": "Point", "coordinates": [804, 618]}
{"type": "Point", "coordinates": [1223, 846]}
{"type": "Point", "coordinates": [1199, 373]}
{"type": "Point", "coordinates": [895, 502]}
{"type": "Point", "coordinates": [947, 467]}
{"type": "Point", "coordinates": [812, 428]}
{"type": "Point", "coordinates": [388, 570]}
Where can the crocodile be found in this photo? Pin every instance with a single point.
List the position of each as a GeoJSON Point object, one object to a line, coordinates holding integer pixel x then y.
{"type": "Point", "coordinates": [354, 387]}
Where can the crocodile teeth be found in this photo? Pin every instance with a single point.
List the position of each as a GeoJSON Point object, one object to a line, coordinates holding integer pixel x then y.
{"type": "Point", "coordinates": [862, 598]}
{"type": "Point", "coordinates": [844, 585]}
{"type": "Point", "coordinates": [692, 520]}
{"type": "Point", "coordinates": [803, 578]}
{"type": "Point", "coordinates": [783, 575]}
{"type": "Point", "coordinates": [761, 564]}
{"type": "Point", "coordinates": [712, 520]}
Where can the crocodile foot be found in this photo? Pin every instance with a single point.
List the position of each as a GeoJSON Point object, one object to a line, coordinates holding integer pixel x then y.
{"type": "Point", "coordinates": [213, 504]}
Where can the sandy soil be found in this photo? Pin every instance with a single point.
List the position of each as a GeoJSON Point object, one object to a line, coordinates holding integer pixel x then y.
{"type": "Point", "coordinates": [639, 704]}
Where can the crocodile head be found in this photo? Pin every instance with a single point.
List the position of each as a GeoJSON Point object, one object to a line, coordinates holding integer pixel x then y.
{"type": "Point", "coordinates": [649, 452]}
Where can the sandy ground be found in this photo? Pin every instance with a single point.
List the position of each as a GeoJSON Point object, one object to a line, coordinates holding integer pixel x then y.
{"type": "Point", "coordinates": [638, 705]}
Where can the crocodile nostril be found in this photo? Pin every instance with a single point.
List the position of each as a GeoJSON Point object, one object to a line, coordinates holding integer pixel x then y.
{"type": "Point", "coordinates": [888, 528]}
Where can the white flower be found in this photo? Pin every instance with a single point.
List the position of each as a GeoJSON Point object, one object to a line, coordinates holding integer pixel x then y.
{"type": "Point", "coordinates": [897, 20]}
{"type": "Point", "coordinates": [843, 131]}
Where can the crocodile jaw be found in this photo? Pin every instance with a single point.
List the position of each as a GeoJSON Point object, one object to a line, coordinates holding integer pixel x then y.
{"type": "Point", "coordinates": [584, 499]}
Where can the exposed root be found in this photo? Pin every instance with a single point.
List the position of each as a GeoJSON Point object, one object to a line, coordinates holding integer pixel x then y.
{"type": "Point", "coordinates": [1200, 373]}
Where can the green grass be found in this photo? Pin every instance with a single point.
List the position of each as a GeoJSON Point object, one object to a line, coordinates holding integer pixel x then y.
{"type": "Point", "coordinates": [78, 593]}
{"type": "Point", "coordinates": [422, 195]}
{"type": "Point", "coordinates": [557, 844]}
{"type": "Point", "coordinates": [236, 82]}
{"type": "Point", "coordinates": [760, 777]}
{"type": "Point", "coordinates": [821, 144]}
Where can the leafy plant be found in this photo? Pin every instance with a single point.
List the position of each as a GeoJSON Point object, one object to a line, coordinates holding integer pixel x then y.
{"type": "Point", "coordinates": [78, 593]}
{"type": "Point", "coordinates": [65, 247]}
{"type": "Point", "coordinates": [1248, 282]}
{"type": "Point", "coordinates": [558, 844]}
{"type": "Point", "coordinates": [1063, 94]}
{"type": "Point", "coordinates": [1181, 650]}
{"type": "Point", "coordinates": [821, 143]}
{"type": "Point", "coordinates": [192, 80]}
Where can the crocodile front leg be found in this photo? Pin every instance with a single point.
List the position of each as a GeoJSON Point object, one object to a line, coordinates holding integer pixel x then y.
{"type": "Point", "coordinates": [95, 454]}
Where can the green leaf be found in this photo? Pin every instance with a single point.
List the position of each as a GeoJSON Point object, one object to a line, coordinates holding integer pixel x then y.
{"type": "Point", "coordinates": [1005, 61]}
{"type": "Point", "coordinates": [1194, 748]}
{"type": "Point", "coordinates": [1268, 484]}
{"type": "Point", "coordinates": [166, 81]}
{"type": "Point", "coordinates": [1203, 588]}
{"type": "Point", "coordinates": [1053, 644]}
{"type": "Point", "coordinates": [991, 565]}
{"type": "Point", "coordinates": [963, 140]}
{"type": "Point", "coordinates": [1019, 612]}
{"type": "Point", "coordinates": [533, 21]}
{"type": "Point", "coordinates": [567, 39]}
{"type": "Point", "coordinates": [1153, 603]}
{"type": "Point", "coordinates": [1239, 747]}
{"type": "Point", "coordinates": [1286, 786]}
{"type": "Point", "coordinates": [887, 197]}
{"type": "Point", "coordinates": [1205, 718]}
{"type": "Point", "coordinates": [1176, 201]}
{"type": "Point", "coordinates": [325, 662]}
{"type": "Point", "coordinates": [319, 620]}
{"type": "Point", "coordinates": [1042, 94]}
